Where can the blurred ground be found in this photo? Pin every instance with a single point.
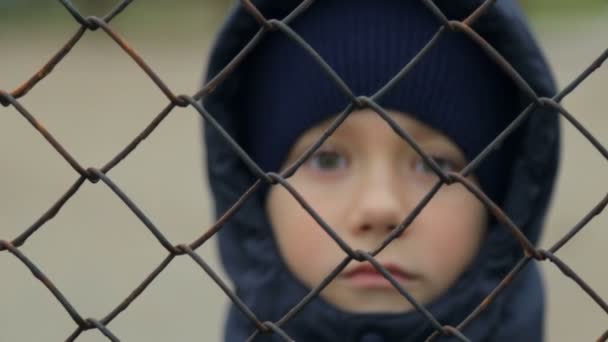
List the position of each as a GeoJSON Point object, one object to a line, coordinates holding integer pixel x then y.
{"type": "Point", "coordinates": [97, 252]}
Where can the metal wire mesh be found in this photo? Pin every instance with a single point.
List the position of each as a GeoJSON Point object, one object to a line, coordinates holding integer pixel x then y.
{"type": "Point", "coordinates": [96, 175]}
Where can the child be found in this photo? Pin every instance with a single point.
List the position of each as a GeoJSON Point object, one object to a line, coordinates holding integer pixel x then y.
{"type": "Point", "coordinates": [365, 179]}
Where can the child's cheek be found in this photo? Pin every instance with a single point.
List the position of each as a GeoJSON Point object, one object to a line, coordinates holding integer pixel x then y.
{"type": "Point", "coordinates": [307, 249]}
{"type": "Point", "coordinates": [454, 236]}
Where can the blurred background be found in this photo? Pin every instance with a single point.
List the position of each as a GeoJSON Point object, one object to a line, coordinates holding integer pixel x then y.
{"type": "Point", "coordinates": [96, 100]}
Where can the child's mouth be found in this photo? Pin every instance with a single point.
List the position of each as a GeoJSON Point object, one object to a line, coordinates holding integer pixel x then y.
{"type": "Point", "coordinates": [366, 276]}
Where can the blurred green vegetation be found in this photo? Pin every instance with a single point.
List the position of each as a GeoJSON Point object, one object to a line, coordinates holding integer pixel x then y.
{"type": "Point", "coordinates": [562, 7]}
{"type": "Point", "coordinates": [185, 14]}
{"type": "Point", "coordinates": [47, 14]}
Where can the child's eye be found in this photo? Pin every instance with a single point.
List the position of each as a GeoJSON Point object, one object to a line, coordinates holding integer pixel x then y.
{"type": "Point", "coordinates": [327, 160]}
{"type": "Point", "coordinates": [444, 164]}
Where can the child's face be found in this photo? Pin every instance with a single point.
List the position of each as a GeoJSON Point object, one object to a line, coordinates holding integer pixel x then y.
{"type": "Point", "coordinates": [363, 182]}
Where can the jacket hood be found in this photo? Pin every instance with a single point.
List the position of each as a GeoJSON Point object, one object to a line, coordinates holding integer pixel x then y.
{"type": "Point", "coordinates": [251, 257]}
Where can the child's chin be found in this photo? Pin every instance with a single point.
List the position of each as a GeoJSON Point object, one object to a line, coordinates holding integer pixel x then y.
{"type": "Point", "coordinates": [379, 304]}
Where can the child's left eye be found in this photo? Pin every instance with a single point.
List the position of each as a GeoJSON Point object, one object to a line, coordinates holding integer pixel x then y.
{"type": "Point", "coordinates": [327, 160]}
{"type": "Point", "coordinates": [445, 164]}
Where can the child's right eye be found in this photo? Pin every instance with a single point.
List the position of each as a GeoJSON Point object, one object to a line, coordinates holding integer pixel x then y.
{"type": "Point", "coordinates": [327, 160]}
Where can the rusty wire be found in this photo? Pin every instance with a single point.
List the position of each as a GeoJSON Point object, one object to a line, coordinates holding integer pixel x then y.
{"type": "Point", "coordinates": [94, 175]}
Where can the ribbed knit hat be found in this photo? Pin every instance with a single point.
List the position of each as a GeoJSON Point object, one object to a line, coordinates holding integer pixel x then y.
{"type": "Point", "coordinates": [455, 88]}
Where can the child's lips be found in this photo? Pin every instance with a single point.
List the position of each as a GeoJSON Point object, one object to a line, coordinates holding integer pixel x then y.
{"type": "Point", "coordinates": [366, 276]}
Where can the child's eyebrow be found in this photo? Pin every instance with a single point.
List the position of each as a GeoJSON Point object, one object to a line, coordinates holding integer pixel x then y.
{"type": "Point", "coordinates": [305, 142]}
{"type": "Point", "coordinates": [421, 134]}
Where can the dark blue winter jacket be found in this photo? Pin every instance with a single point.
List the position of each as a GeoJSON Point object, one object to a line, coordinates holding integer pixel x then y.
{"type": "Point", "coordinates": [260, 277]}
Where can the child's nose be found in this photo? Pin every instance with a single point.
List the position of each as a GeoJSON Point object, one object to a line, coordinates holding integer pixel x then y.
{"type": "Point", "coordinates": [379, 206]}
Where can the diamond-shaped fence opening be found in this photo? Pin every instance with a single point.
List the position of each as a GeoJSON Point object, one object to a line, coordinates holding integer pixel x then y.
{"type": "Point", "coordinates": [100, 175]}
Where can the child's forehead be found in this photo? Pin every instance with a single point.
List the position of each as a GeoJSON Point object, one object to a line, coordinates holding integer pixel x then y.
{"type": "Point", "coordinates": [366, 122]}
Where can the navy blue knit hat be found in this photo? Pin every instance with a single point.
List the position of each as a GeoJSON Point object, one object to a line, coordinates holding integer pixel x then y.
{"type": "Point", "coordinates": [456, 88]}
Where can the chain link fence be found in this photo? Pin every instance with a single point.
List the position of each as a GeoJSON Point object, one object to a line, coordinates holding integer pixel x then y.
{"type": "Point", "coordinates": [99, 175]}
